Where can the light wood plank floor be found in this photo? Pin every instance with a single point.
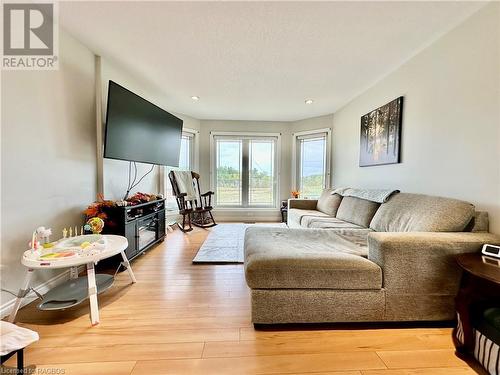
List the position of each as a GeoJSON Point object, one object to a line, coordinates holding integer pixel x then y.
{"type": "Point", "coordinates": [195, 319]}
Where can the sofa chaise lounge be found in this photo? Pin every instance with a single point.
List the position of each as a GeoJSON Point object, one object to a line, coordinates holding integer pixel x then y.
{"type": "Point", "coordinates": [346, 259]}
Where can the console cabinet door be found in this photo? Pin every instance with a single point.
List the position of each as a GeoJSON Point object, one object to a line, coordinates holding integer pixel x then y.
{"type": "Point", "coordinates": [131, 234]}
{"type": "Point", "coordinates": [161, 224]}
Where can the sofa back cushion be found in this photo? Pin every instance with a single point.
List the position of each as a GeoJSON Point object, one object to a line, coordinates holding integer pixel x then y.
{"type": "Point", "coordinates": [406, 212]}
{"type": "Point", "coordinates": [479, 222]}
{"type": "Point", "coordinates": [356, 210]}
{"type": "Point", "coordinates": [328, 203]}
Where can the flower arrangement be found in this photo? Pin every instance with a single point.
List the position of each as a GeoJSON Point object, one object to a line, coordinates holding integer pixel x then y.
{"type": "Point", "coordinates": [139, 198]}
{"type": "Point", "coordinates": [100, 208]}
{"type": "Point", "coordinates": [295, 193]}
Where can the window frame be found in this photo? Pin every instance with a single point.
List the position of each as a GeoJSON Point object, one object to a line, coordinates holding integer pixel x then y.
{"type": "Point", "coordinates": [250, 136]}
{"type": "Point", "coordinates": [191, 155]}
{"type": "Point", "coordinates": [296, 157]}
{"type": "Point", "coordinates": [193, 161]}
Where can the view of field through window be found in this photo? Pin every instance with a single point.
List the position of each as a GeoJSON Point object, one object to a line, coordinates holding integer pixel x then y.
{"type": "Point", "coordinates": [245, 172]}
{"type": "Point", "coordinates": [261, 173]}
{"type": "Point", "coordinates": [312, 166]}
{"type": "Point", "coordinates": [228, 173]}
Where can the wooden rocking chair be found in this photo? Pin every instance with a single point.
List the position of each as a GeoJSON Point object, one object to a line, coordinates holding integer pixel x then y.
{"type": "Point", "coordinates": [197, 212]}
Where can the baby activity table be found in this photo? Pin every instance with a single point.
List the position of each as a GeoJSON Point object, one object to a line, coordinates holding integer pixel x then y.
{"type": "Point", "coordinates": [76, 289]}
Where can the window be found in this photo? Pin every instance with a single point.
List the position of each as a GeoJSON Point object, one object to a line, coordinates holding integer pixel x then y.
{"type": "Point", "coordinates": [312, 162]}
{"type": "Point", "coordinates": [244, 170]}
{"type": "Point", "coordinates": [186, 153]}
{"type": "Point", "coordinates": [228, 175]}
{"type": "Point", "coordinates": [261, 173]}
{"type": "Point", "coordinates": [186, 162]}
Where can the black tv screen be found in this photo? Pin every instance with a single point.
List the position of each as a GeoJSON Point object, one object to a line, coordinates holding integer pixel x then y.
{"type": "Point", "coordinates": [138, 130]}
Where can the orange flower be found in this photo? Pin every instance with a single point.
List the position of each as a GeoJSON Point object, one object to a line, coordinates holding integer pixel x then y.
{"type": "Point", "coordinates": [97, 209]}
{"type": "Point", "coordinates": [91, 211]}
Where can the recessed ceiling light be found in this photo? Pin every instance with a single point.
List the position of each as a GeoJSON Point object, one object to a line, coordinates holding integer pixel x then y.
{"type": "Point", "coordinates": [309, 101]}
{"type": "Point", "coordinates": [195, 98]}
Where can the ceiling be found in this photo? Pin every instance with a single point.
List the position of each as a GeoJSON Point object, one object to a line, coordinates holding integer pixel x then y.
{"type": "Point", "coordinates": [260, 60]}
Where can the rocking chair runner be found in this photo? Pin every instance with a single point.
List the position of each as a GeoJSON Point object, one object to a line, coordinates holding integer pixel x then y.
{"type": "Point", "coordinates": [196, 212]}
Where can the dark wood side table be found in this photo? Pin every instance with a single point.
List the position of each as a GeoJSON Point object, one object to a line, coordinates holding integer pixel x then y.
{"type": "Point", "coordinates": [480, 286]}
{"type": "Point", "coordinates": [20, 359]}
{"type": "Point", "coordinates": [284, 211]}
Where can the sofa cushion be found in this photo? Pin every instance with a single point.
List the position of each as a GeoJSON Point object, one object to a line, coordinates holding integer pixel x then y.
{"type": "Point", "coordinates": [295, 216]}
{"type": "Point", "coordinates": [406, 212]}
{"type": "Point", "coordinates": [357, 211]}
{"type": "Point", "coordinates": [349, 231]}
{"type": "Point", "coordinates": [479, 223]}
{"type": "Point", "coordinates": [327, 222]}
{"type": "Point", "coordinates": [306, 259]}
{"type": "Point", "coordinates": [328, 203]}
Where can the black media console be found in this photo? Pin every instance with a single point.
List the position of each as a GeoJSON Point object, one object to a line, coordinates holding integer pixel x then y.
{"type": "Point", "coordinates": [142, 224]}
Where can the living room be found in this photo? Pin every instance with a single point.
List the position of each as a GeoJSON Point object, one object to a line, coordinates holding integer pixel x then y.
{"type": "Point", "coordinates": [342, 160]}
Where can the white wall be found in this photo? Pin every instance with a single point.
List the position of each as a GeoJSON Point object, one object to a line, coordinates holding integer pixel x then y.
{"type": "Point", "coordinates": [313, 123]}
{"type": "Point", "coordinates": [115, 172]}
{"type": "Point", "coordinates": [48, 154]}
{"type": "Point", "coordinates": [451, 120]}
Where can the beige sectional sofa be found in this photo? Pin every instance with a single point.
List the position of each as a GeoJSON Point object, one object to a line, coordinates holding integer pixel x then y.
{"type": "Point", "coordinates": [346, 259]}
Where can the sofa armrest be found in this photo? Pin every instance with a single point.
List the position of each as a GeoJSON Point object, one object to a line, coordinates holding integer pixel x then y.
{"type": "Point", "coordinates": [423, 262]}
{"type": "Point", "coordinates": [303, 204]}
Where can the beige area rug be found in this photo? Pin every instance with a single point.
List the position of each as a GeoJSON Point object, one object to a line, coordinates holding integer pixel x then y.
{"type": "Point", "coordinates": [224, 244]}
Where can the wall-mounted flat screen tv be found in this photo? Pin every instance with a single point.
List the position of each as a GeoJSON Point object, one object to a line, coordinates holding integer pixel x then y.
{"type": "Point", "coordinates": [137, 130]}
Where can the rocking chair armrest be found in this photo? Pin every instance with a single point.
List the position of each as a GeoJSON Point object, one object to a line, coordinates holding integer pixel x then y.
{"type": "Point", "coordinates": [207, 194]}
{"type": "Point", "coordinates": [182, 195]}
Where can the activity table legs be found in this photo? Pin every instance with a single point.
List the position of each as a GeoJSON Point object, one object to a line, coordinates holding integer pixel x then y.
{"type": "Point", "coordinates": [126, 264]}
{"type": "Point", "coordinates": [21, 294]}
{"type": "Point", "coordinates": [94, 307]}
{"type": "Point", "coordinates": [92, 288]}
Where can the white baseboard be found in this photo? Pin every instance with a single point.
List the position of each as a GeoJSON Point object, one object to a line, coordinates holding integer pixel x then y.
{"type": "Point", "coordinates": [247, 215]}
{"type": "Point", "coordinates": [42, 289]}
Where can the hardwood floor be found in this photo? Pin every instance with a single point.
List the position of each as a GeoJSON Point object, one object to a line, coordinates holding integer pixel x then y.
{"type": "Point", "coordinates": [195, 319]}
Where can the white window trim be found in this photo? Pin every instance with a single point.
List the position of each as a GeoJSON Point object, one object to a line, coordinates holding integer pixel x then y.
{"type": "Point", "coordinates": [214, 134]}
{"type": "Point", "coordinates": [295, 137]}
{"type": "Point", "coordinates": [195, 152]}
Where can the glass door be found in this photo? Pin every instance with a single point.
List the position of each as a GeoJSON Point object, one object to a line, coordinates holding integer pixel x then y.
{"type": "Point", "coordinates": [147, 231]}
